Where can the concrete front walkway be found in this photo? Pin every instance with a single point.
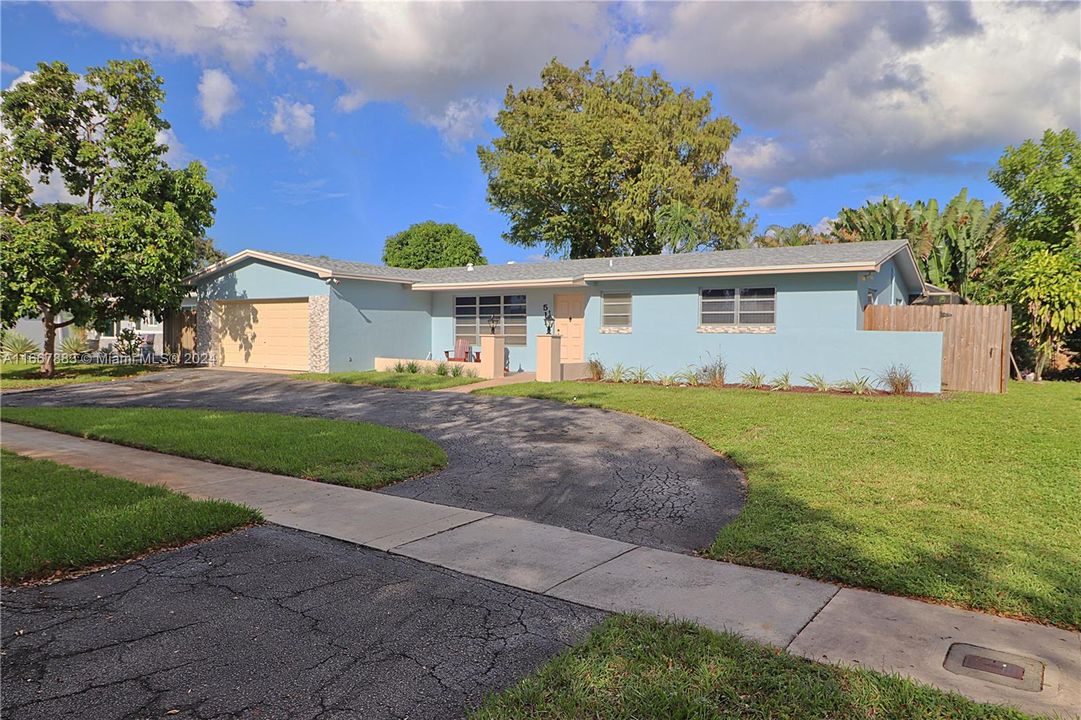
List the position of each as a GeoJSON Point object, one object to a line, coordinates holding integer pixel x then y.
{"type": "Point", "coordinates": [813, 619]}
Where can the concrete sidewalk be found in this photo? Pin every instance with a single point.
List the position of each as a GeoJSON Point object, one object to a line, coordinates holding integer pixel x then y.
{"type": "Point", "coordinates": [817, 620]}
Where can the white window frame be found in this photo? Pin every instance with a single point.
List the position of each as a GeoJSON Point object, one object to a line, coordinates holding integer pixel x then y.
{"type": "Point", "coordinates": [737, 301]}
{"type": "Point", "coordinates": [618, 301]}
{"type": "Point", "coordinates": [513, 326]}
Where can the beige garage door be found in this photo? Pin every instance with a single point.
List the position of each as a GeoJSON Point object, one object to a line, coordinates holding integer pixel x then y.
{"type": "Point", "coordinates": [262, 334]}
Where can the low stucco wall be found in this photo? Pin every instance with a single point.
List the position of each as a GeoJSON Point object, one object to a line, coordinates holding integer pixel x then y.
{"type": "Point", "coordinates": [387, 364]}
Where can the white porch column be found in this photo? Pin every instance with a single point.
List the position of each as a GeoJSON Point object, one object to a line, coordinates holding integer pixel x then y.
{"type": "Point", "coordinates": [491, 356]}
{"type": "Point", "coordinates": [548, 365]}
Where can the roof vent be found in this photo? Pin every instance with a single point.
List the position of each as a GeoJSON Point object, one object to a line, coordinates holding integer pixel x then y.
{"type": "Point", "coordinates": [469, 267]}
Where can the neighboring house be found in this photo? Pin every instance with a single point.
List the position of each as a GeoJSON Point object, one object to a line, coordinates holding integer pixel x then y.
{"type": "Point", "coordinates": [794, 309]}
{"type": "Point", "coordinates": [148, 327]}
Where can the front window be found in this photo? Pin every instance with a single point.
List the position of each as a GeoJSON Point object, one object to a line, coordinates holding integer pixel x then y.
{"type": "Point", "coordinates": [738, 306]}
{"type": "Point", "coordinates": [616, 310]}
{"type": "Point", "coordinates": [471, 315]}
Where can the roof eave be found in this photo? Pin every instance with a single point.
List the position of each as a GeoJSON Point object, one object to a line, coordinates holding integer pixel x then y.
{"type": "Point", "coordinates": [323, 273]}
{"type": "Point", "coordinates": [753, 270]}
{"type": "Point", "coordinates": [500, 284]}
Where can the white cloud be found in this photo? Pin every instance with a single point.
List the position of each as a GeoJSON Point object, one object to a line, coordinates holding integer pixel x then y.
{"type": "Point", "coordinates": [462, 119]}
{"type": "Point", "coordinates": [177, 155]}
{"type": "Point", "coordinates": [824, 226]}
{"type": "Point", "coordinates": [54, 191]}
{"type": "Point", "coordinates": [24, 77]}
{"type": "Point", "coordinates": [829, 88]}
{"type": "Point", "coordinates": [776, 197]}
{"type": "Point", "coordinates": [294, 121]}
{"type": "Point", "coordinates": [850, 87]}
{"type": "Point", "coordinates": [217, 96]}
{"type": "Point", "coordinates": [427, 56]}
{"type": "Point", "coordinates": [8, 67]}
{"type": "Point", "coordinates": [302, 193]}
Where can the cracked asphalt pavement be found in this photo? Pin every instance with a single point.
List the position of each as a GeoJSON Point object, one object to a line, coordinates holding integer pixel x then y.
{"type": "Point", "coordinates": [273, 623]}
{"type": "Point", "coordinates": [594, 471]}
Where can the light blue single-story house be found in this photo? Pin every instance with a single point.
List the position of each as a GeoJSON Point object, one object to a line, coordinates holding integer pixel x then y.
{"type": "Point", "coordinates": [794, 309]}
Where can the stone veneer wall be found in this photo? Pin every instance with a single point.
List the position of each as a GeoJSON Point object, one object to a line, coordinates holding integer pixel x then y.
{"type": "Point", "coordinates": [204, 331]}
{"type": "Point", "coordinates": [319, 333]}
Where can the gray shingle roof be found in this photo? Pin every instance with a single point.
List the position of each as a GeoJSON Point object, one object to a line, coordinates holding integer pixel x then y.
{"type": "Point", "coordinates": [750, 258]}
{"type": "Point", "coordinates": [869, 252]}
{"type": "Point", "coordinates": [347, 267]}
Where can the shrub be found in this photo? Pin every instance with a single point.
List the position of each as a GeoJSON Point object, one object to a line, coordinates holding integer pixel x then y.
{"type": "Point", "coordinates": [818, 382]}
{"type": "Point", "coordinates": [18, 344]}
{"type": "Point", "coordinates": [688, 376]}
{"type": "Point", "coordinates": [399, 367]}
{"type": "Point", "coordinates": [617, 374]}
{"type": "Point", "coordinates": [781, 382]}
{"type": "Point", "coordinates": [713, 372]}
{"type": "Point", "coordinates": [639, 375]}
{"type": "Point", "coordinates": [667, 380]}
{"type": "Point", "coordinates": [753, 379]}
{"type": "Point", "coordinates": [896, 380]}
{"type": "Point", "coordinates": [128, 342]}
{"type": "Point", "coordinates": [73, 345]}
{"type": "Point", "coordinates": [470, 372]}
{"type": "Point", "coordinates": [441, 368]}
{"type": "Point", "coordinates": [859, 385]}
{"type": "Point", "coordinates": [456, 370]}
{"type": "Point", "coordinates": [412, 367]}
{"type": "Point", "coordinates": [596, 369]}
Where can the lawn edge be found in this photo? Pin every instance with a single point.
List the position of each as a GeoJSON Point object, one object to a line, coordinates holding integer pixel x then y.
{"type": "Point", "coordinates": [705, 554]}
{"type": "Point", "coordinates": [61, 575]}
{"type": "Point", "coordinates": [147, 448]}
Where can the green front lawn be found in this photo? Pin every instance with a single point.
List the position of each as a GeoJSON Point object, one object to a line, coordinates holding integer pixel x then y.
{"type": "Point", "coordinates": [19, 376]}
{"type": "Point", "coordinates": [390, 379]}
{"type": "Point", "coordinates": [632, 667]}
{"type": "Point", "coordinates": [59, 518]}
{"type": "Point", "coordinates": [335, 451]}
{"type": "Point", "coordinates": [968, 499]}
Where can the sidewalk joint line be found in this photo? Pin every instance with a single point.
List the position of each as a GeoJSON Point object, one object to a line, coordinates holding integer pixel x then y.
{"type": "Point", "coordinates": [810, 620]}
{"type": "Point", "coordinates": [583, 572]}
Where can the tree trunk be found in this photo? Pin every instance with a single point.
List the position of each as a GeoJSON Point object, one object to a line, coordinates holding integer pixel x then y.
{"type": "Point", "coordinates": [48, 364]}
{"type": "Point", "coordinates": [1043, 359]}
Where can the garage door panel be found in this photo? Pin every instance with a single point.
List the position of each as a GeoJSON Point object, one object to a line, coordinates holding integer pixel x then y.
{"type": "Point", "coordinates": [262, 334]}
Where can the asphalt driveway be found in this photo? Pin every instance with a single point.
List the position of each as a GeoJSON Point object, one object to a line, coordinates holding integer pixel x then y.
{"type": "Point", "coordinates": [593, 471]}
{"type": "Point", "coordinates": [273, 623]}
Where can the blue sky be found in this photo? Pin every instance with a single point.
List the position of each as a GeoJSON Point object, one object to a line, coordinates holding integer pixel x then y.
{"type": "Point", "coordinates": [328, 127]}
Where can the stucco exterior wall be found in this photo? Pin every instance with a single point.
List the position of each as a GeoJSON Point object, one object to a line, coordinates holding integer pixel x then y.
{"type": "Point", "coordinates": [521, 358]}
{"type": "Point", "coordinates": [369, 319]}
{"type": "Point", "coordinates": [819, 317]}
{"type": "Point", "coordinates": [817, 320]}
{"type": "Point", "coordinates": [256, 280]}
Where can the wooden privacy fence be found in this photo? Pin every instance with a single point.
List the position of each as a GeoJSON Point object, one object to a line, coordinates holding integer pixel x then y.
{"type": "Point", "coordinates": [975, 340]}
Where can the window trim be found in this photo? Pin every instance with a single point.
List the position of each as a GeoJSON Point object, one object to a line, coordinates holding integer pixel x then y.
{"type": "Point", "coordinates": [629, 302]}
{"type": "Point", "coordinates": [521, 320]}
{"type": "Point", "coordinates": [737, 301]}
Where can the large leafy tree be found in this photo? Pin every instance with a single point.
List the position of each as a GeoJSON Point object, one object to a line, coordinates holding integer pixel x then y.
{"type": "Point", "coordinates": [140, 225]}
{"type": "Point", "coordinates": [593, 165]}
{"type": "Point", "coordinates": [1047, 288]}
{"type": "Point", "coordinates": [1043, 183]}
{"type": "Point", "coordinates": [954, 247]}
{"type": "Point", "coordinates": [1041, 271]}
{"type": "Point", "coordinates": [432, 245]}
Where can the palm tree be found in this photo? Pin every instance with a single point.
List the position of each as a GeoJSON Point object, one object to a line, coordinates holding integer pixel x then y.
{"type": "Point", "coordinates": [677, 227]}
{"type": "Point", "coordinates": [781, 236]}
